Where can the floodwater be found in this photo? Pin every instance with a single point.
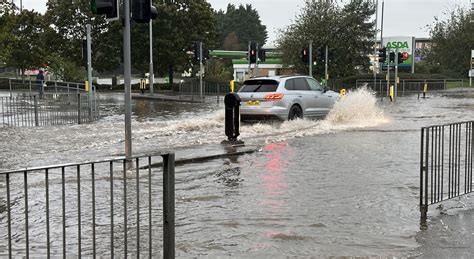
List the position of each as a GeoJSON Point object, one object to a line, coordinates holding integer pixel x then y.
{"type": "Point", "coordinates": [343, 186]}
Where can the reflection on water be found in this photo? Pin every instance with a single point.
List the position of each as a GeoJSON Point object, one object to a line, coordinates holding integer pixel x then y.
{"type": "Point", "coordinates": [343, 186]}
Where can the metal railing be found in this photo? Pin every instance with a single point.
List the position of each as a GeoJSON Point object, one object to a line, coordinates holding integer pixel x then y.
{"type": "Point", "coordinates": [445, 163]}
{"type": "Point", "coordinates": [210, 89]}
{"type": "Point", "coordinates": [103, 208]}
{"type": "Point", "coordinates": [51, 109]}
{"type": "Point", "coordinates": [408, 86]}
{"type": "Point", "coordinates": [29, 85]}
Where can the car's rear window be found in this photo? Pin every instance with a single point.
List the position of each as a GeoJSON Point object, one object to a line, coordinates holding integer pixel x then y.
{"type": "Point", "coordinates": [263, 85]}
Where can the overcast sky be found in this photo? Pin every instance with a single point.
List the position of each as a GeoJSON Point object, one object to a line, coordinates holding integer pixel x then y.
{"type": "Point", "coordinates": [401, 18]}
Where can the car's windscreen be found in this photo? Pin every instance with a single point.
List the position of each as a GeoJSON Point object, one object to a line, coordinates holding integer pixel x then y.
{"type": "Point", "coordinates": [259, 86]}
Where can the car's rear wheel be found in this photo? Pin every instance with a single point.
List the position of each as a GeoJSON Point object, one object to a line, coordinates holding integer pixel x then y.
{"type": "Point", "coordinates": [295, 113]}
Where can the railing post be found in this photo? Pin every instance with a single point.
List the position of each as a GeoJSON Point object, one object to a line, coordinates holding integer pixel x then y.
{"type": "Point", "coordinates": [444, 84]}
{"type": "Point", "coordinates": [68, 94]}
{"type": "Point", "coordinates": [36, 110]}
{"type": "Point", "coordinates": [78, 108]}
{"type": "Point", "coordinates": [29, 79]}
{"type": "Point", "coordinates": [10, 85]}
{"type": "Point", "coordinates": [168, 206]}
{"type": "Point", "coordinates": [56, 86]}
{"type": "Point", "coordinates": [423, 207]}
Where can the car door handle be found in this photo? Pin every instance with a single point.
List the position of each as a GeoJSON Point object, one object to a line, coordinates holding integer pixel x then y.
{"type": "Point", "coordinates": [300, 96]}
{"type": "Point", "coordinates": [316, 97]}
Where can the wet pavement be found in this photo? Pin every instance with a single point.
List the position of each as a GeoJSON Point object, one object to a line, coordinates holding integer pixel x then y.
{"type": "Point", "coordinates": [343, 186]}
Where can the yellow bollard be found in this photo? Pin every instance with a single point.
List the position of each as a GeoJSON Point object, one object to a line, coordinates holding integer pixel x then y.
{"type": "Point", "coordinates": [232, 85]}
{"type": "Point", "coordinates": [342, 93]}
{"type": "Point", "coordinates": [425, 90]}
{"type": "Point", "coordinates": [86, 83]}
{"type": "Point", "coordinates": [391, 93]}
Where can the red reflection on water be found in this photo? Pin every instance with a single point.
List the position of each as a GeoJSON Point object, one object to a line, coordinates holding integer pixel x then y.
{"type": "Point", "coordinates": [276, 163]}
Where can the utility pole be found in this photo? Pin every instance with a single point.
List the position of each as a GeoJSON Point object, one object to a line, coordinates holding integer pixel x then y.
{"type": "Point", "coordinates": [326, 75]}
{"type": "Point", "coordinates": [127, 79]}
{"type": "Point", "coordinates": [310, 58]}
{"type": "Point", "coordinates": [89, 65]}
{"type": "Point", "coordinates": [151, 76]}
{"type": "Point", "coordinates": [200, 69]}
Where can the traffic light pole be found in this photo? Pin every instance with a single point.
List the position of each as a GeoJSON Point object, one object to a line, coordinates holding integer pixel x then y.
{"type": "Point", "coordinates": [396, 75]}
{"type": "Point", "coordinates": [388, 72]}
{"type": "Point", "coordinates": [151, 77]}
{"type": "Point", "coordinates": [375, 44]}
{"type": "Point", "coordinates": [248, 54]}
{"type": "Point", "coordinates": [200, 69]}
{"type": "Point", "coordinates": [256, 61]}
{"type": "Point", "coordinates": [89, 65]}
{"type": "Point", "coordinates": [310, 58]}
{"type": "Point", "coordinates": [127, 79]}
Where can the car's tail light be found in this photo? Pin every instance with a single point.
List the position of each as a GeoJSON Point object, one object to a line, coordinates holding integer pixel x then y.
{"type": "Point", "coordinates": [275, 96]}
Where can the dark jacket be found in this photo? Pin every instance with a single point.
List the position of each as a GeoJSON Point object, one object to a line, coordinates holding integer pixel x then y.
{"type": "Point", "coordinates": [40, 78]}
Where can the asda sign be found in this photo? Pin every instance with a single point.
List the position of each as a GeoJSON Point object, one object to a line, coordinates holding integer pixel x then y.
{"type": "Point", "coordinates": [397, 45]}
{"type": "Point", "coordinates": [403, 45]}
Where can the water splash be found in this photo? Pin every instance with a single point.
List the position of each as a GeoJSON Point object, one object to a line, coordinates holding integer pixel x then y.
{"type": "Point", "coordinates": [357, 109]}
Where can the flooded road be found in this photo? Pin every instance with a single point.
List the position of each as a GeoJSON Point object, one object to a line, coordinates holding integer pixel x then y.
{"type": "Point", "coordinates": [343, 186]}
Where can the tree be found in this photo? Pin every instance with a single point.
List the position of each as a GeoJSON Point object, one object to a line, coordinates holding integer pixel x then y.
{"type": "Point", "coordinates": [244, 22]}
{"type": "Point", "coordinates": [179, 25]}
{"type": "Point", "coordinates": [453, 40]}
{"type": "Point", "coordinates": [347, 31]}
{"type": "Point", "coordinates": [65, 29]}
{"type": "Point", "coordinates": [231, 42]}
{"type": "Point", "coordinates": [20, 40]}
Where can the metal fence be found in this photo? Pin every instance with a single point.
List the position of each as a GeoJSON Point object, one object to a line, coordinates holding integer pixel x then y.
{"type": "Point", "coordinates": [210, 89]}
{"type": "Point", "coordinates": [445, 163]}
{"type": "Point", "coordinates": [29, 85]}
{"type": "Point", "coordinates": [50, 109]}
{"type": "Point", "coordinates": [107, 208]}
{"type": "Point", "coordinates": [409, 86]}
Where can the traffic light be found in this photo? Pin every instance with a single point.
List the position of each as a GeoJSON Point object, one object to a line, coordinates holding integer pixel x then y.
{"type": "Point", "coordinates": [400, 57]}
{"type": "Point", "coordinates": [196, 51]}
{"type": "Point", "coordinates": [262, 55]}
{"type": "Point", "coordinates": [382, 55]}
{"type": "Point", "coordinates": [392, 57]}
{"type": "Point", "coordinates": [305, 55]}
{"type": "Point", "coordinates": [320, 55]}
{"type": "Point", "coordinates": [108, 7]}
{"type": "Point", "coordinates": [143, 11]}
{"type": "Point", "coordinates": [253, 53]}
{"type": "Point", "coordinates": [205, 53]}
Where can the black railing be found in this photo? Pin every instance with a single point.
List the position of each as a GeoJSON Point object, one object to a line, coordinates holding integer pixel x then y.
{"type": "Point", "coordinates": [50, 109]}
{"type": "Point", "coordinates": [445, 163]}
{"type": "Point", "coordinates": [103, 208]}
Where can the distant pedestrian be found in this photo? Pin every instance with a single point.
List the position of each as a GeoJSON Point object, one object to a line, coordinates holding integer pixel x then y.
{"type": "Point", "coordinates": [40, 82]}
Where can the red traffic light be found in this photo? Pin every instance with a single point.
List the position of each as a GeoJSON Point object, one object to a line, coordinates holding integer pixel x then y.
{"type": "Point", "coordinates": [405, 55]}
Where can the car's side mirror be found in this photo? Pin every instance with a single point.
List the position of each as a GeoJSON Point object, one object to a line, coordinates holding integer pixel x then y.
{"type": "Point", "coordinates": [325, 89]}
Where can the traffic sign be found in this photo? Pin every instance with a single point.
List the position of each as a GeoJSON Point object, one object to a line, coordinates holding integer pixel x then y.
{"type": "Point", "coordinates": [471, 73]}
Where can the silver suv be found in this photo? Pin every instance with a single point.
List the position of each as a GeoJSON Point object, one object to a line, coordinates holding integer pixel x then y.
{"type": "Point", "coordinates": [284, 98]}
